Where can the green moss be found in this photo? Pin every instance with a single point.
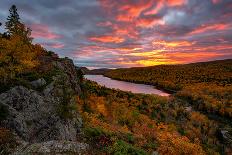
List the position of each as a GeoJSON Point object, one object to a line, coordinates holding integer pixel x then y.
{"type": "Point", "coordinates": [31, 76]}
{"type": "Point", "coordinates": [93, 132]}
{"type": "Point", "coordinates": [49, 75]}
{"type": "Point", "coordinates": [122, 148]}
{"type": "Point", "coordinates": [130, 138]}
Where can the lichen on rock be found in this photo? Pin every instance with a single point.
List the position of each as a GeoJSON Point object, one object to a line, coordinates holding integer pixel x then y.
{"type": "Point", "coordinates": [47, 115]}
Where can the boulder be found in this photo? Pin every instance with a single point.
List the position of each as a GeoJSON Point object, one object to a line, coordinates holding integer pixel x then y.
{"type": "Point", "coordinates": [52, 147]}
{"type": "Point", "coordinates": [34, 116]}
{"type": "Point", "coordinates": [38, 83]}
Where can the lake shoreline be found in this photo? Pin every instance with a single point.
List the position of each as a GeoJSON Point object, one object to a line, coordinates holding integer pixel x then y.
{"type": "Point", "coordinates": [126, 85]}
{"type": "Point", "coordinates": [171, 92]}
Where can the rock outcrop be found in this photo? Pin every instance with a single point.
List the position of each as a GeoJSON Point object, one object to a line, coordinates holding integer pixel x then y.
{"type": "Point", "coordinates": [52, 147]}
{"type": "Point", "coordinates": [49, 115]}
{"type": "Point", "coordinates": [38, 83]}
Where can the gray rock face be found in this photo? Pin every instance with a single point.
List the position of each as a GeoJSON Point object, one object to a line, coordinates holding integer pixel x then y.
{"type": "Point", "coordinates": [47, 120]}
{"type": "Point", "coordinates": [52, 147]}
{"type": "Point", "coordinates": [38, 83]}
{"type": "Point", "coordinates": [66, 65]}
{"type": "Point", "coordinates": [34, 116]}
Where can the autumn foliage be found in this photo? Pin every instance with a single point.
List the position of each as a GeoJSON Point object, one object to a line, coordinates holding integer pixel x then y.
{"type": "Point", "coordinates": [16, 57]}
{"type": "Point", "coordinates": [207, 86]}
{"type": "Point", "coordinates": [145, 123]}
{"type": "Point", "coordinates": [17, 53]}
{"type": "Point", "coordinates": [176, 77]}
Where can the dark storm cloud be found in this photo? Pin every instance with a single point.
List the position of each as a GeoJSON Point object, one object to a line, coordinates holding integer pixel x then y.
{"type": "Point", "coordinates": [110, 33]}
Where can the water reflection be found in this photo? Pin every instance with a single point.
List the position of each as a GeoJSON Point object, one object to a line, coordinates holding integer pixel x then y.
{"type": "Point", "coordinates": [125, 86]}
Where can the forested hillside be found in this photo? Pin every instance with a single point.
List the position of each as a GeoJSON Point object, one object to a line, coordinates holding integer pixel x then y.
{"type": "Point", "coordinates": [207, 85]}
{"type": "Point", "coordinates": [126, 123]}
{"type": "Point", "coordinates": [176, 77]}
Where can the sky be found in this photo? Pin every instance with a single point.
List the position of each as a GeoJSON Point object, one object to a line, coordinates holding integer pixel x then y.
{"type": "Point", "coordinates": [129, 33]}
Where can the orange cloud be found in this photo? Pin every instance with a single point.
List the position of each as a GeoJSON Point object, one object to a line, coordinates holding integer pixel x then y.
{"type": "Point", "coordinates": [156, 9]}
{"type": "Point", "coordinates": [133, 10]}
{"type": "Point", "coordinates": [175, 2]}
{"type": "Point", "coordinates": [43, 31]}
{"type": "Point", "coordinates": [128, 16]}
{"type": "Point", "coordinates": [107, 39]}
{"type": "Point", "coordinates": [147, 54]}
{"type": "Point", "coordinates": [161, 3]}
{"type": "Point", "coordinates": [148, 22]}
{"type": "Point", "coordinates": [177, 58]}
{"type": "Point", "coordinates": [181, 57]}
{"type": "Point", "coordinates": [129, 49]}
{"type": "Point", "coordinates": [172, 43]}
{"type": "Point", "coordinates": [214, 27]}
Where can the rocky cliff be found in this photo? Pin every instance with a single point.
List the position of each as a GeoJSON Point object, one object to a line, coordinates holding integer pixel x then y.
{"type": "Point", "coordinates": [44, 116]}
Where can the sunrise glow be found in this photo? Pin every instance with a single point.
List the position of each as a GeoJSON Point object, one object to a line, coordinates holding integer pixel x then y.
{"type": "Point", "coordinates": [110, 33]}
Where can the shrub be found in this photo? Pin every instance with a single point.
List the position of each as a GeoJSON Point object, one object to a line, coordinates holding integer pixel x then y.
{"type": "Point", "coordinates": [31, 76]}
{"type": "Point", "coordinates": [93, 132]}
{"type": "Point", "coordinates": [120, 148]}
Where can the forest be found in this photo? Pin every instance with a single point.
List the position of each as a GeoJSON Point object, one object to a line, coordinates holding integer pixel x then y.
{"type": "Point", "coordinates": [127, 123]}
{"type": "Point", "coordinates": [206, 85]}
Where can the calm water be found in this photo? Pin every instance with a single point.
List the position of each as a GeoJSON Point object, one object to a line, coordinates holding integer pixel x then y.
{"type": "Point", "coordinates": [125, 86]}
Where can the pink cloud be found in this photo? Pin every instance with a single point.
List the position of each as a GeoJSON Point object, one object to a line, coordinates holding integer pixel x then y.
{"type": "Point", "coordinates": [213, 27]}
{"type": "Point", "coordinates": [216, 1]}
{"type": "Point", "coordinates": [53, 45]}
{"type": "Point", "coordinates": [43, 31]}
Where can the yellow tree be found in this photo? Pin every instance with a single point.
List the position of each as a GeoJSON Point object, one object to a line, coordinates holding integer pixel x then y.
{"type": "Point", "coordinates": [17, 53]}
{"type": "Point", "coordinates": [15, 57]}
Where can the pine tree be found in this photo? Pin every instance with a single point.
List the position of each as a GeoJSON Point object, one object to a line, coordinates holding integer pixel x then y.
{"type": "Point", "coordinates": [13, 22]}
{"type": "Point", "coordinates": [15, 27]}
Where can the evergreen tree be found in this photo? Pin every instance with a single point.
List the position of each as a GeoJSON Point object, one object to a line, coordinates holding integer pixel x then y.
{"type": "Point", "coordinates": [15, 27]}
{"type": "Point", "coordinates": [17, 53]}
{"type": "Point", "coordinates": [13, 22]}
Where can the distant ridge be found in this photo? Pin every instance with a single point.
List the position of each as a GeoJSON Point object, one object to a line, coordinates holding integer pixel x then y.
{"type": "Point", "coordinates": [100, 71]}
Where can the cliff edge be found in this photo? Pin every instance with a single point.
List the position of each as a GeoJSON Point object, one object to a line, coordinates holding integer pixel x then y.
{"type": "Point", "coordinates": [43, 114]}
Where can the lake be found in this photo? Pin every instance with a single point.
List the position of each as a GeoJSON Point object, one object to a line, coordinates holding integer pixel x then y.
{"type": "Point", "coordinates": [125, 86]}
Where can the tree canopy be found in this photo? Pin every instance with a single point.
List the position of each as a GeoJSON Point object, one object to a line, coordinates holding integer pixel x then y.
{"type": "Point", "coordinates": [15, 27]}
{"type": "Point", "coordinates": [17, 53]}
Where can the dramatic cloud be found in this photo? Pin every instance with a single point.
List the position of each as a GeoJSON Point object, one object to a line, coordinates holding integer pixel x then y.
{"type": "Point", "coordinates": [127, 33]}
{"type": "Point", "coordinates": [107, 39]}
{"type": "Point", "coordinates": [42, 31]}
